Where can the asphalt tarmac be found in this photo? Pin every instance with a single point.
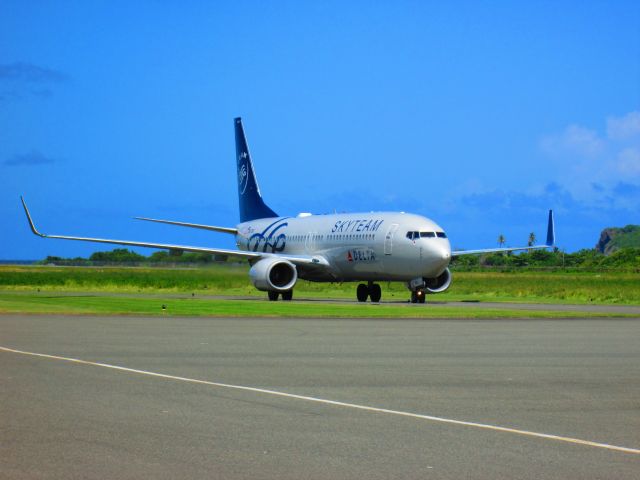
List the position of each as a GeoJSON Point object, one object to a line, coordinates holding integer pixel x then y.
{"type": "Point", "coordinates": [576, 379]}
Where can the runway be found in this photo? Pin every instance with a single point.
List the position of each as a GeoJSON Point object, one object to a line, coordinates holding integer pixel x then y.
{"type": "Point", "coordinates": [575, 379]}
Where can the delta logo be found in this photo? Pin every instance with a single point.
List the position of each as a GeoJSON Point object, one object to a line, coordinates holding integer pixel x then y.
{"type": "Point", "coordinates": [361, 255]}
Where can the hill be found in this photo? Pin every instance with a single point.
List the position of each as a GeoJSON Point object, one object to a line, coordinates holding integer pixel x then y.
{"type": "Point", "coordinates": [613, 239]}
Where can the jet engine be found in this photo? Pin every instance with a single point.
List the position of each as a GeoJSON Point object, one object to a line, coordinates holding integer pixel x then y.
{"type": "Point", "coordinates": [273, 274]}
{"type": "Point", "coordinates": [440, 283]}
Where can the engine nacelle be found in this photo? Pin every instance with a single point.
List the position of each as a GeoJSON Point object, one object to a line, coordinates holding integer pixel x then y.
{"type": "Point", "coordinates": [273, 274]}
{"type": "Point", "coordinates": [440, 283]}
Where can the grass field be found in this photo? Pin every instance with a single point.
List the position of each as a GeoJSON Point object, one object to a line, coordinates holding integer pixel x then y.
{"type": "Point", "coordinates": [547, 287]}
{"type": "Point", "coordinates": [69, 304]}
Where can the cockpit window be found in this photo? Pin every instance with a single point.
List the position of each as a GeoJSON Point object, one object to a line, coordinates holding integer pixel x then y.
{"type": "Point", "coordinates": [416, 235]}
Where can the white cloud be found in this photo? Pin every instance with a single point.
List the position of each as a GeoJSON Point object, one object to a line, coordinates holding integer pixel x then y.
{"type": "Point", "coordinates": [585, 157]}
{"type": "Point", "coordinates": [574, 140]}
{"type": "Point", "coordinates": [628, 161]}
{"type": "Point", "coordinates": [621, 128]}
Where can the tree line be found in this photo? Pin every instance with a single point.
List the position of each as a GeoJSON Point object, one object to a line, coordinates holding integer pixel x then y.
{"type": "Point", "coordinates": [124, 256]}
{"type": "Point", "coordinates": [625, 258]}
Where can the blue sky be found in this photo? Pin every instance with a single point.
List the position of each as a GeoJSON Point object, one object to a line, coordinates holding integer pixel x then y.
{"type": "Point", "coordinates": [481, 117]}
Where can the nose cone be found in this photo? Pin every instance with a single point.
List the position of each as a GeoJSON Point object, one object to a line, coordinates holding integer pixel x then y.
{"type": "Point", "coordinates": [436, 258]}
{"type": "Point", "coordinates": [443, 253]}
{"type": "Point", "coordinates": [443, 249]}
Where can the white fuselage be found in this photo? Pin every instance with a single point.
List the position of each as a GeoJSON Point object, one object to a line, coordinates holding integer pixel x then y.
{"type": "Point", "coordinates": [374, 246]}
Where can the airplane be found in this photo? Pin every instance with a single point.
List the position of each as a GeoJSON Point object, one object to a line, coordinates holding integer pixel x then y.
{"type": "Point", "coordinates": [366, 247]}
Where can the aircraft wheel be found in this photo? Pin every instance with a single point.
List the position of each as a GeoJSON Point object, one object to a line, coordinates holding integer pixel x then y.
{"type": "Point", "coordinates": [362, 292]}
{"type": "Point", "coordinates": [375, 292]}
{"type": "Point", "coordinates": [273, 296]}
{"type": "Point", "coordinates": [421, 296]}
{"type": "Point", "coordinates": [287, 296]}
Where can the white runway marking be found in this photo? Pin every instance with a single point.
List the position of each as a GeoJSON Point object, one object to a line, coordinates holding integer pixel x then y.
{"type": "Point", "coordinates": [337, 403]}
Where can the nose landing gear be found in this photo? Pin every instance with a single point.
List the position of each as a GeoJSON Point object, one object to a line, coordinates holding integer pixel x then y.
{"type": "Point", "coordinates": [417, 286]}
{"type": "Point", "coordinates": [372, 290]}
{"type": "Point", "coordinates": [418, 296]}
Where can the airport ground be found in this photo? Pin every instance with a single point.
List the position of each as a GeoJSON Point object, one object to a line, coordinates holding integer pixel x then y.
{"type": "Point", "coordinates": [182, 304]}
{"type": "Point", "coordinates": [576, 379]}
{"type": "Point", "coordinates": [224, 290]}
{"type": "Point", "coordinates": [523, 285]}
{"type": "Point", "coordinates": [223, 384]}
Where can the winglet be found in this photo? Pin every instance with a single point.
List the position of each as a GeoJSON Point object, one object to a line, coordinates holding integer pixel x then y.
{"type": "Point", "coordinates": [33, 227]}
{"type": "Point", "coordinates": [551, 231]}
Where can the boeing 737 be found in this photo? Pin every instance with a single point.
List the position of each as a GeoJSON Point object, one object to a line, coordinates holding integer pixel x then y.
{"type": "Point", "coordinates": [366, 247]}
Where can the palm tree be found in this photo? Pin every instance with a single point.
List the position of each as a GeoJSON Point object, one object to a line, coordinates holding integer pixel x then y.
{"type": "Point", "coordinates": [532, 239]}
{"type": "Point", "coordinates": [501, 240]}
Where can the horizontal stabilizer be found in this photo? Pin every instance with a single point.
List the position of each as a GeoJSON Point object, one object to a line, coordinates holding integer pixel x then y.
{"type": "Point", "coordinates": [232, 231]}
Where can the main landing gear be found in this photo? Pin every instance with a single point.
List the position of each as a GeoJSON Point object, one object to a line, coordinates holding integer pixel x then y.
{"type": "Point", "coordinates": [372, 290]}
{"type": "Point", "coordinates": [418, 296]}
{"type": "Point", "coordinates": [286, 296]}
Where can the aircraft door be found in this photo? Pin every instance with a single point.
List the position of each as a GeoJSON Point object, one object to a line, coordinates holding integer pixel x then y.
{"type": "Point", "coordinates": [388, 239]}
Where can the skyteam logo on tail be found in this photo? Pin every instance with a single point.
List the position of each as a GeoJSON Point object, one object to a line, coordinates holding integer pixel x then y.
{"type": "Point", "coordinates": [243, 174]}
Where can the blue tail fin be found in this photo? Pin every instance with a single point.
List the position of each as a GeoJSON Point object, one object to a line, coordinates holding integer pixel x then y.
{"type": "Point", "coordinates": [252, 206]}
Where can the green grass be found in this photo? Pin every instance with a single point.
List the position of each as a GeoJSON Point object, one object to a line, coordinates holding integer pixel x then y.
{"type": "Point", "coordinates": [44, 303]}
{"type": "Point", "coordinates": [545, 287]}
{"type": "Point", "coordinates": [216, 279]}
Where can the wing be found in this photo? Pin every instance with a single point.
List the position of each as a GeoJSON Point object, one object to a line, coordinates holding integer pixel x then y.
{"type": "Point", "coordinates": [295, 259]}
{"type": "Point", "coordinates": [551, 239]}
{"type": "Point", "coordinates": [232, 231]}
{"type": "Point", "coordinates": [457, 253]}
